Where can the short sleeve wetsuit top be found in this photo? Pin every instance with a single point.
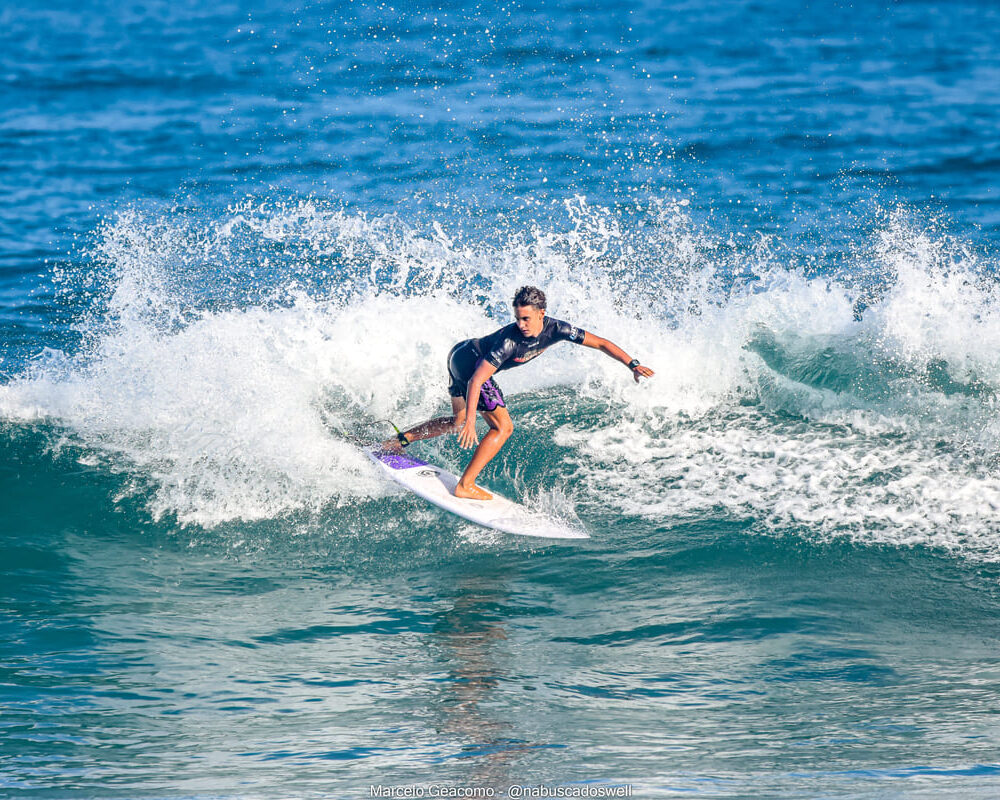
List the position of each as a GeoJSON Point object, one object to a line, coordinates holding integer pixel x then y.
{"type": "Point", "coordinates": [504, 349]}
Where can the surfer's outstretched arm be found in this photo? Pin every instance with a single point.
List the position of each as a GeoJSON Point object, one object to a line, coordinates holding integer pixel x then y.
{"type": "Point", "coordinates": [613, 350]}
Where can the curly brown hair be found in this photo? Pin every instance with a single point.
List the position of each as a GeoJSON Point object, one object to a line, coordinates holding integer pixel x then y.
{"type": "Point", "coordinates": [529, 296]}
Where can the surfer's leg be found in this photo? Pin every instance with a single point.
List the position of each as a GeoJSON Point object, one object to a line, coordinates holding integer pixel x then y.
{"type": "Point", "coordinates": [440, 425]}
{"type": "Point", "coordinates": [500, 430]}
{"type": "Point", "coordinates": [433, 427]}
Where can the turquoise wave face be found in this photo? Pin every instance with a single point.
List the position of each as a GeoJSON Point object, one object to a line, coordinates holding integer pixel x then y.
{"type": "Point", "coordinates": [238, 241]}
{"type": "Point", "coordinates": [385, 642]}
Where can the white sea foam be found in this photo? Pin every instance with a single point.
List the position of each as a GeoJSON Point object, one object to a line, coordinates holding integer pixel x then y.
{"type": "Point", "coordinates": [230, 363]}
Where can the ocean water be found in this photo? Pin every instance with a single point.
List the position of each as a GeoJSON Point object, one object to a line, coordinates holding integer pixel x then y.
{"type": "Point", "coordinates": [238, 238]}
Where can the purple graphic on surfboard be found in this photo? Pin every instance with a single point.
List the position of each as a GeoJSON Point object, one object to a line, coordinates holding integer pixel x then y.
{"type": "Point", "coordinates": [398, 461]}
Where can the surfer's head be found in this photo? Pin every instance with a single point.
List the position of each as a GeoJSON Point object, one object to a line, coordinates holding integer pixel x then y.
{"type": "Point", "coordinates": [530, 296]}
{"type": "Point", "coordinates": [529, 310]}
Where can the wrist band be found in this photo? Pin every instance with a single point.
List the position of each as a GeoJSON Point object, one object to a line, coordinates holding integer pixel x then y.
{"type": "Point", "coordinates": [403, 440]}
{"type": "Point", "coordinates": [633, 363]}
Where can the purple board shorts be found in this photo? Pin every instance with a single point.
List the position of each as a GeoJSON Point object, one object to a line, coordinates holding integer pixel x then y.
{"type": "Point", "coordinates": [462, 362]}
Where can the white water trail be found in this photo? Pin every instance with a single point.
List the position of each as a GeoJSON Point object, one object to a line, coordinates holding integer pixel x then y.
{"type": "Point", "coordinates": [231, 362]}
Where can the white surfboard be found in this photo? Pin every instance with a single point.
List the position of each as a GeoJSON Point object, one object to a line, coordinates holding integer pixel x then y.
{"type": "Point", "coordinates": [436, 485]}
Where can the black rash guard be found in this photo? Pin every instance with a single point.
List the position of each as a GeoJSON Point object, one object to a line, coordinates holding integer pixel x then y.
{"type": "Point", "coordinates": [503, 349]}
{"type": "Point", "coordinates": [508, 347]}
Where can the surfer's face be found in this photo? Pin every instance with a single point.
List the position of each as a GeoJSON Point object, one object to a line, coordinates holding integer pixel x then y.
{"type": "Point", "coordinates": [530, 320]}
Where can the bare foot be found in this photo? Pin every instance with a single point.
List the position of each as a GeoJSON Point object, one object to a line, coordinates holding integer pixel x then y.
{"type": "Point", "coordinates": [391, 446]}
{"type": "Point", "coordinates": [472, 492]}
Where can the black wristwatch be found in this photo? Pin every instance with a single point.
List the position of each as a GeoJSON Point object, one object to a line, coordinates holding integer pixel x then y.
{"type": "Point", "coordinates": [633, 363]}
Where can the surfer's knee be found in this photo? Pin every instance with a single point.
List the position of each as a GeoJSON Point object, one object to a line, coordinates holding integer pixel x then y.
{"type": "Point", "coordinates": [505, 428]}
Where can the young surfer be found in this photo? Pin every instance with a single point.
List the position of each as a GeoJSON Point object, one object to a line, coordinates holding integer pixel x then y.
{"type": "Point", "coordinates": [471, 365]}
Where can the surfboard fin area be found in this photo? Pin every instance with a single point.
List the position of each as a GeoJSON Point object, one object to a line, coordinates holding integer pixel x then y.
{"type": "Point", "coordinates": [436, 485]}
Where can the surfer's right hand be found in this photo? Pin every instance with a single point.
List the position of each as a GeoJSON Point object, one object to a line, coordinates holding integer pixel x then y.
{"type": "Point", "coordinates": [467, 436]}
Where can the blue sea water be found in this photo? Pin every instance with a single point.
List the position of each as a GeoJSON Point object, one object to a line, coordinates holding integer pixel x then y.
{"type": "Point", "coordinates": [238, 237]}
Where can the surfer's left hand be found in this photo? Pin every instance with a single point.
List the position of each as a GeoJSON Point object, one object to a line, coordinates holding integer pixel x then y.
{"type": "Point", "coordinates": [642, 372]}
